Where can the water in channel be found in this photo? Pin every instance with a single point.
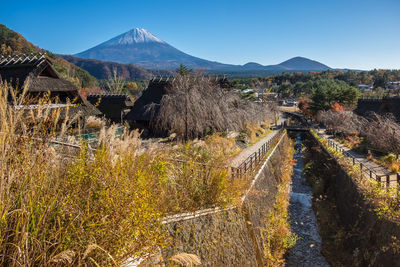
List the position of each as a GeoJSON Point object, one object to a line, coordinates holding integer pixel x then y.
{"type": "Point", "coordinates": [302, 219]}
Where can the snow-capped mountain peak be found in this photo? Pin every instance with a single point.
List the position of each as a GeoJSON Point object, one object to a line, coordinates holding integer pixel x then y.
{"type": "Point", "coordinates": [139, 46]}
{"type": "Point", "coordinates": [136, 35]}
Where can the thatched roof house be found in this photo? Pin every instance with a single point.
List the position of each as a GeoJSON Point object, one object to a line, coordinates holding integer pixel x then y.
{"type": "Point", "coordinates": [113, 106]}
{"type": "Point", "coordinates": [157, 88]}
{"type": "Point", "coordinates": [35, 74]}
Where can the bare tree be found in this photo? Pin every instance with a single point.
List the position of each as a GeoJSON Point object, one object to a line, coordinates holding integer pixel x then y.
{"type": "Point", "coordinates": [383, 132]}
{"type": "Point", "coordinates": [116, 83]}
{"type": "Point", "coordinates": [196, 105]}
{"type": "Point", "coordinates": [345, 122]}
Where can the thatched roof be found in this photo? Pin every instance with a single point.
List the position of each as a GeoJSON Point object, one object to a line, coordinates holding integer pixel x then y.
{"type": "Point", "coordinates": [113, 106]}
{"type": "Point", "coordinates": [41, 84]}
{"type": "Point", "coordinates": [17, 69]}
{"type": "Point", "coordinates": [36, 74]}
{"type": "Point", "coordinates": [151, 96]}
{"type": "Point", "coordinates": [222, 81]}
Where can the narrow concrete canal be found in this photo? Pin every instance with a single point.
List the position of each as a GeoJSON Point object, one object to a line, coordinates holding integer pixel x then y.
{"type": "Point", "coordinates": [302, 219]}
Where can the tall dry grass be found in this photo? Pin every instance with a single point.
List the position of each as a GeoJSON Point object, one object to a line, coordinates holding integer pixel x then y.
{"type": "Point", "coordinates": [99, 207]}
{"type": "Point", "coordinates": [277, 235]}
{"type": "Point", "coordinates": [195, 175]}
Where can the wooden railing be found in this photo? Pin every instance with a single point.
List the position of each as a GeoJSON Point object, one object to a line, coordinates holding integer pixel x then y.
{"type": "Point", "coordinates": [253, 162]}
{"type": "Point", "coordinates": [386, 179]}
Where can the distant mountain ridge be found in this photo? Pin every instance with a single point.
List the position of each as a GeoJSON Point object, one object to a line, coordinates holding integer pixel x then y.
{"type": "Point", "coordinates": [301, 63]}
{"type": "Point", "coordinates": [142, 48]}
{"type": "Point", "coordinates": [293, 64]}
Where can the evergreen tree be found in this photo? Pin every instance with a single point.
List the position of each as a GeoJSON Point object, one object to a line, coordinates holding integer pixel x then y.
{"type": "Point", "coordinates": [183, 70]}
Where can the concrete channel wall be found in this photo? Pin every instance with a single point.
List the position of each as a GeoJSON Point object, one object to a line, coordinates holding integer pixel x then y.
{"type": "Point", "coordinates": [231, 236]}
{"type": "Point", "coordinates": [374, 240]}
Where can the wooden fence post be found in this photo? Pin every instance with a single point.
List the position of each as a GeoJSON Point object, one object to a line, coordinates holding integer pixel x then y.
{"type": "Point", "coordinates": [398, 180]}
{"type": "Point", "coordinates": [387, 182]}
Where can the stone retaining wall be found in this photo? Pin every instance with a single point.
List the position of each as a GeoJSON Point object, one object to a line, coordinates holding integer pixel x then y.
{"type": "Point", "coordinates": [232, 236]}
{"type": "Point", "coordinates": [373, 240]}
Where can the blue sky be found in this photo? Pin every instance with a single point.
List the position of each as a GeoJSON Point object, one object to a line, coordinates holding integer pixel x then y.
{"type": "Point", "coordinates": [362, 34]}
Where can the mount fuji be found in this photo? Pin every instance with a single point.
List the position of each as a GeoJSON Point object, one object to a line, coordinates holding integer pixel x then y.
{"type": "Point", "coordinates": [140, 47]}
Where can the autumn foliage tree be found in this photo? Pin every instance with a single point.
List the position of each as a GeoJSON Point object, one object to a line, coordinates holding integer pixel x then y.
{"type": "Point", "coordinates": [337, 107]}
{"type": "Point", "coordinates": [304, 106]}
{"type": "Point", "coordinates": [13, 42]}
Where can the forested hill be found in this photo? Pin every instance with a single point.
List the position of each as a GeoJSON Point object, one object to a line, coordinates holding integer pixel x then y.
{"type": "Point", "coordinates": [103, 70]}
{"type": "Point", "coordinates": [12, 43]}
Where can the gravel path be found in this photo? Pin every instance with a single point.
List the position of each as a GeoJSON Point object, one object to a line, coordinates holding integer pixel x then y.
{"type": "Point", "coordinates": [307, 251]}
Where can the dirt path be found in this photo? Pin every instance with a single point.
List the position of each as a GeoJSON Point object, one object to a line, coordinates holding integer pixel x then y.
{"type": "Point", "coordinates": [236, 161]}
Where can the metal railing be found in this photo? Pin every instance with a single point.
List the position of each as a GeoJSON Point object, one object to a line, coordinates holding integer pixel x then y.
{"type": "Point", "coordinates": [253, 162]}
